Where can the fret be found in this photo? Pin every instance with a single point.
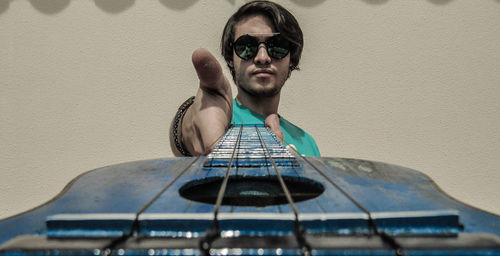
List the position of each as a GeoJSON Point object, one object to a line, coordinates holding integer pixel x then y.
{"type": "Point", "coordinates": [250, 152]}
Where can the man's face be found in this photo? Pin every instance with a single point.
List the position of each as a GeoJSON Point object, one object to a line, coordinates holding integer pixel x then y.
{"type": "Point", "coordinates": [261, 76]}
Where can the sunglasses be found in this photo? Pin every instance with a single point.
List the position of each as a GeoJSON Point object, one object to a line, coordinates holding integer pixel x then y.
{"type": "Point", "coordinates": [247, 46]}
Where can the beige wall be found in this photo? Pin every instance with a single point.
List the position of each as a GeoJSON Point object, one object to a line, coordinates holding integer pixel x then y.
{"type": "Point", "coordinates": [85, 84]}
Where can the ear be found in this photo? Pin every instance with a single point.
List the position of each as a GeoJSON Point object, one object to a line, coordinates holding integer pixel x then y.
{"type": "Point", "coordinates": [230, 64]}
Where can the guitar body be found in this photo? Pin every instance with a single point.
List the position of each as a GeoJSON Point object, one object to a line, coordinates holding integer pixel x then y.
{"type": "Point", "coordinates": [232, 202]}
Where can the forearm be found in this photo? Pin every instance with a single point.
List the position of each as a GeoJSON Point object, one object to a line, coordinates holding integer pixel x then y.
{"type": "Point", "coordinates": [197, 130]}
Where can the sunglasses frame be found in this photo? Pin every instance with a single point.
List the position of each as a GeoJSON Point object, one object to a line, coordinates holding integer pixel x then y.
{"type": "Point", "coordinates": [266, 43]}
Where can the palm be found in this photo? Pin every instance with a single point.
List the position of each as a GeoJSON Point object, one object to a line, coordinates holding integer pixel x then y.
{"type": "Point", "coordinates": [209, 117]}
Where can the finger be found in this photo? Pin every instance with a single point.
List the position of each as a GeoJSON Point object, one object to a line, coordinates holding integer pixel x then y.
{"type": "Point", "coordinates": [292, 149]}
{"type": "Point", "coordinates": [209, 71]}
{"type": "Point", "coordinates": [273, 122]}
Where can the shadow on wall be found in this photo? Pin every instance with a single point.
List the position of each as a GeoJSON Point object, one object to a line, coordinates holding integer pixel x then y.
{"type": "Point", "coordinates": [116, 6]}
{"type": "Point", "coordinates": [49, 7]}
{"type": "Point", "coordinates": [179, 5]}
{"type": "Point", "coordinates": [4, 5]}
{"type": "Point", "coordinates": [375, 1]}
{"type": "Point", "coordinates": [308, 3]}
{"type": "Point", "coordinates": [439, 2]}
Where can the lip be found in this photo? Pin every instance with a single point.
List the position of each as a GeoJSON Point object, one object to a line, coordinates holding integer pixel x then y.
{"type": "Point", "coordinates": [263, 72]}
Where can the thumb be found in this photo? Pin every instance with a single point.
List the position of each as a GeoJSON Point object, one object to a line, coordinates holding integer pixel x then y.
{"type": "Point", "coordinates": [273, 122]}
{"type": "Point", "coordinates": [209, 70]}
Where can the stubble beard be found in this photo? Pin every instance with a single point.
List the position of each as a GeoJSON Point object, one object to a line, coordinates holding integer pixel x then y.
{"type": "Point", "coordinates": [261, 91]}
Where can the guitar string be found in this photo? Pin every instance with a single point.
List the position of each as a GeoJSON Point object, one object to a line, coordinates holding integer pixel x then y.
{"type": "Point", "coordinates": [298, 229]}
{"type": "Point", "coordinates": [304, 245]}
{"type": "Point", "coordinates": [219, 140]}
{"type": "Point", "coordinates": [386, 238]}
{"type": "Point", "coordinates": [278, 175]}
{"type": "Point", "coordinates": [222, 190]}
{"type": "Point", "coordinates": [135, 228]}
{"type": "Point", "coordinates": [214, 233]}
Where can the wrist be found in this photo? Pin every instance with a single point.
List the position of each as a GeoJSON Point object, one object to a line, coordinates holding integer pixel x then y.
{"type": "Point", "coordinates": [177, 127]}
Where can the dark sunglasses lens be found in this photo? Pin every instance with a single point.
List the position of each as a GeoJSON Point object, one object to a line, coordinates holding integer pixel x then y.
{"type": "Point", "coordinates": [246, 47]}
{"type": "Point", "coordinates": [277, 47]}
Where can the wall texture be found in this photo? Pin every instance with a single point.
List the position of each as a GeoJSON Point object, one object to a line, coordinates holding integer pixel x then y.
{"type": "Point", "coordinates": [85, 84]}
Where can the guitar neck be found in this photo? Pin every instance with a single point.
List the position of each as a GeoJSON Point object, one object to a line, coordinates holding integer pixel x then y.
{"type": "Point", "coordinates": [251, 145]}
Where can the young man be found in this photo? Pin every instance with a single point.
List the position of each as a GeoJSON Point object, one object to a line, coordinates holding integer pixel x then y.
{"type": "Point", "coordinates": [262, 44]}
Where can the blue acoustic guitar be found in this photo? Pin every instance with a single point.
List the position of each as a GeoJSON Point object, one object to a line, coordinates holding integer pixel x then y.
{"type": "Point", "coordinates": [251, 196]}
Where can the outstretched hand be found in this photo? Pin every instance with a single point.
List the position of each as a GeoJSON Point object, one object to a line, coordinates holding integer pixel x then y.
{"type": "Point", "coordinates": [210, 115]}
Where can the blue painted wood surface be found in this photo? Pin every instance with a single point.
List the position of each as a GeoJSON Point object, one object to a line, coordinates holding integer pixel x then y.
{"type": "Point", "coordinates": [386, 208]}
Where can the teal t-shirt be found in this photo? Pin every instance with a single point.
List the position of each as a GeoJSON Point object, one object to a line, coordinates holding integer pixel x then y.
{"type": "Point", "coordinates": [304, 142]}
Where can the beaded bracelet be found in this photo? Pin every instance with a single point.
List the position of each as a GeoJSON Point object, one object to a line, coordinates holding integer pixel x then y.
{"type": "Point", "coordinates": [177, 121]}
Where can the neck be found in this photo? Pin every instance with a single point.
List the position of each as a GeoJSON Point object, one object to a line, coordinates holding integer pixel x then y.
{"type": "Point", "coordinates": [262, 105]}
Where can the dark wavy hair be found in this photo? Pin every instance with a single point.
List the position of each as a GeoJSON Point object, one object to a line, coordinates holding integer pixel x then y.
{"type": "Point", "coordinates": [283, 21]}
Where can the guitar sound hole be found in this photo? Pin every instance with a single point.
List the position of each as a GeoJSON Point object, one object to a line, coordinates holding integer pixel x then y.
{"type": "Point", "coordinates": [251, 191]}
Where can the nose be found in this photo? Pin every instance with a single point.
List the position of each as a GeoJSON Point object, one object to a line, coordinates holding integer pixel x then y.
{"type": "Point", "coordinates": [262, 58]}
